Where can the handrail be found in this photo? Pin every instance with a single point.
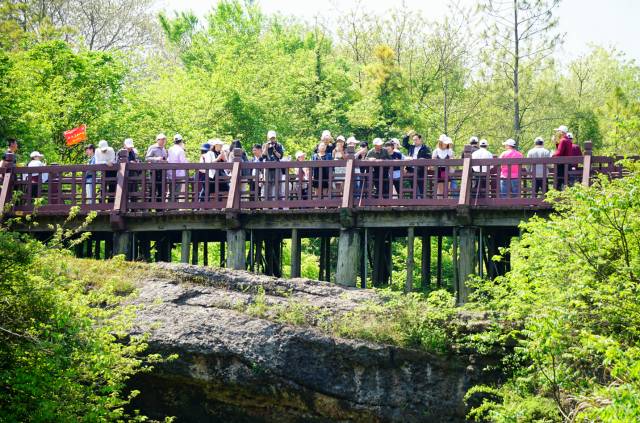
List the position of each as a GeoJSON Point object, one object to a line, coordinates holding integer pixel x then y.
{"type": "Point", "coordinates": [348, 184]}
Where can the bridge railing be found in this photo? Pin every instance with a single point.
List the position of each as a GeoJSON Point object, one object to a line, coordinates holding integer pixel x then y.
{"type": "Point", "coordinates": [165, 186]}
{"type": "Point", "coordinates": [150, 187]}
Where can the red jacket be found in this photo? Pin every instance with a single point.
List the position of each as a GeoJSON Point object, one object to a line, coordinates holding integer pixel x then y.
{"type": "Point", "coordinates": [565, 147]}
{"type": "Point", "coordinates": [575, 150]}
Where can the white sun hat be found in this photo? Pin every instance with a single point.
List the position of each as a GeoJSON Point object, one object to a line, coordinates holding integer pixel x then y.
{"type": "Point", "coordinates": [484, 143]}
{"type": "Point", "coordinates": [299, 154]}
{"type": "Point", "coordinates": [325, 134]}
{"type": "Point", "coordinates": [128, 143]}
{"type": "Point", "coordinates": [377, 141]}
{"type": "Point", "coordinates": [352, 140]}
{"type": "Point", "coordinates": [103, 145]}
{"type": "Point", "coordinates": [562, 128]}
{"type": "Point", "coordinates": [35, 154]}
{"type": "Point", "coordinates": [271, 134]}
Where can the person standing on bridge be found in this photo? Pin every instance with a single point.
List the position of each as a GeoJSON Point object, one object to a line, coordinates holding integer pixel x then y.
{"type": "Point", "coordinates": [575, 152]}
{"type": "Point", "coordinates": [443, 151]}
{"type": "Point", "coordinates": [565, 149]}
{"type": "Point", "coordinates": [321, 174]}
{"type": "Point", "coordinates": [257, 175]}
{"type": "Point", "coordinates": [473, 143]}
{"type": "Point", "coordinates": [89, 177]}
{"type": "Point", "coordinates": [377, 153]}
{"type": "Point", "coordinates": [273, 151]}
{"type": "Point", "coordinates": [37, 161]}
{"type": "Point", "coordinates": [480, 172]}
{"type": "Point", "coordinates": [221, 178]}
{"type": "Point", "coordinates": [157, 153]}
{"type": "Point", "coordinates": [176, 155]}
{"type": "Point", "coordinates": [107, 156]}
{"type": "Point", "coordinates": [510, 175]}
{"type": "Point", "coordinates": [538, 152]}
{"type": "Point", "coordinates": [416, 151]}
{"type": "Point", "coordinates": [395, 171]}
{"type": "Point", "coordinates": [12, 148]}
{"type": "Point", "coordinates": [131, 153]}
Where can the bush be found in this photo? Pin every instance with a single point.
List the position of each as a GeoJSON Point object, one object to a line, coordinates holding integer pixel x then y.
{"type": "Point", "coordinates": [572, 300]}
{"type": "Point", "coordinates": [65, 353]}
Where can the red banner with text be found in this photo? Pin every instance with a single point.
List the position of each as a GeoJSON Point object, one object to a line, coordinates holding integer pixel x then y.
{"type": "Point", "coordinates": [76, 135]}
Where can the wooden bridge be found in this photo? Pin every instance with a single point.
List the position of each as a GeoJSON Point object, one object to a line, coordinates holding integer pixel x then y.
{"type": "Point", "coordinates": [250, 207]}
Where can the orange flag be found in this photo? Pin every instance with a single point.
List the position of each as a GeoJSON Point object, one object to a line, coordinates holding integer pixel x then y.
{"type": "Point", "coordinates": [76, 135]}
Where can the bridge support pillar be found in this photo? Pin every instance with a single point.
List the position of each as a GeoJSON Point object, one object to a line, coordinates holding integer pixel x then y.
{"type": "Point", "coordinates": [295, 253]}
{"type": "Point", "coordinates": [185, 246]}
{"type": "Point", "coordinates": [410, 261]}
{"type": "Point", "coordinates": [425, 264]}
{"type": "Point", "coordinates": [122, 244]}
{"type": "Point", "coordinates": [348, 257]}
{"type": "Point", "coordinates": [467, 261]}
{"type": "Point", "coordinates": [236, 255]}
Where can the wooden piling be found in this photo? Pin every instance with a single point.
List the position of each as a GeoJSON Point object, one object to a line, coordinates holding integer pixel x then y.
{"type": "Point", "coordinates": [410, 244]}
{"type": "Point", "coordinates": [185, 246]}
{"type": "Point", "coordinates": [296, 254]}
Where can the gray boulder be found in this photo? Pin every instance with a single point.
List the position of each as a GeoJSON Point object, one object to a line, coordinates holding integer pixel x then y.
{"type": "Point", "coordinates": [234, 367]}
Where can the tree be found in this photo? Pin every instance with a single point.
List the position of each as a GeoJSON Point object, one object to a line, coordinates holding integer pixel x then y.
{"type": "Point", "coordinates": [90, 24]}
{"type": "Point", "coordinates": [521, 34]}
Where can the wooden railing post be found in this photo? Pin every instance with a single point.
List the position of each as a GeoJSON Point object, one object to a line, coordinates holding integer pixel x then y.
{"type": "Point", "coordinates": [120, 200]}
{"type": "Point", "coordinates": [465, 183]}
{"type": "Point", "coordinates": [586, 166]}
{"type": "Point", "coordinates": [233, 201]}
{"type": "Point", "coordinates": [7, 181]}
{"type": "Point", "coordinates": [347, 192]}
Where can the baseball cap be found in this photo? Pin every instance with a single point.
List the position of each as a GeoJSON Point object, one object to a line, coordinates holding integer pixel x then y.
{"type": "Point", "coordinates": [377, 141]}
{"type": "Point", "coordinates": [299, 154]}
{"type": "Point", "coordinates": [340, 138]}
{"type": "Point", "coordinates": [103, 145]}
{"type": "Point", "coordinates": [205, 147]}
{"type": "Point", "coordinates": [325, 134]}
{"type": "Point", "coordinates": [271, 134]}
{"type": "Point", "coordinates": [562, 128]}
{"type": "Point", "coordinates": [473, 140]}
{"type": "Point", "coordinates": [161, 136]}
{"type": "Point", "coordinates": [510, 142]}
{"type": "Point", "coordinates": [177, 138]}
{"type": "Point", "coordinates": [539, 141]}
{"type": "Point", "coordinates": [128, 143]}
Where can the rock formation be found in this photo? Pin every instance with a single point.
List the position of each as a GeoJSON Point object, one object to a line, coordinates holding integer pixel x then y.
{"type": "Point", "coordinates": [234, 367]}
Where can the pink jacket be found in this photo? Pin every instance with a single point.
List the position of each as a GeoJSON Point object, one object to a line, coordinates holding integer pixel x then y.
{"type": "Point", "coordinates": [515, 169]}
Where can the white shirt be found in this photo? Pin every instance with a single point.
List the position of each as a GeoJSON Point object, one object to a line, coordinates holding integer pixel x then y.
{"type": "Point", "coordinates": [105, 157]}
{"type": "Point", "coordinates": [441, 154]}
{"type": "Point", "coordinates": [209, 157]}
{"type": "Point", "coordinates": [539, 152]}
{"type": "Point", "coordinates": [481, 153]}
{"type": "Point", "coordinates": [37, 163]}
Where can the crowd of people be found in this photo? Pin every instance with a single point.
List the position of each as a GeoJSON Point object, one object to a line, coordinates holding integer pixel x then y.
{"type": "Point", "coordinates": [412, 147]}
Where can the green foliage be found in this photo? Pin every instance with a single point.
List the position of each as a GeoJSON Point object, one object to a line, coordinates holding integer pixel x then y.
{"type": "Point", "coordinates": [410, 320]}
{"type": "Point", "coordinates": [571, 300]}
{"type": "Point", "coordinates": [65, 352]}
